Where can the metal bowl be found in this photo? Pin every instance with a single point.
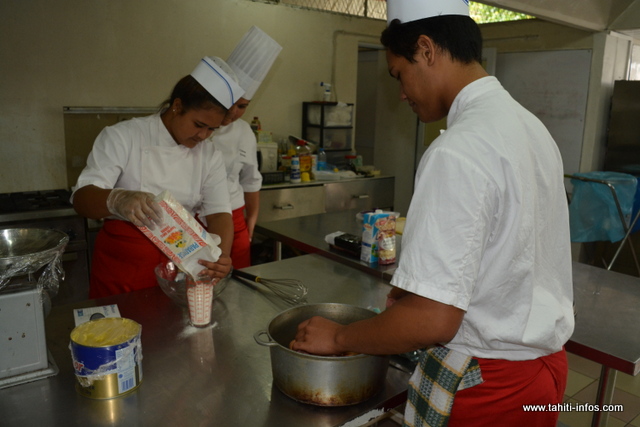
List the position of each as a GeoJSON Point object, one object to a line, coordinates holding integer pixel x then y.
{"type": "Point", "coordinates": [173, 283]}
{"type": "Point", "coordinates": [25, 250]}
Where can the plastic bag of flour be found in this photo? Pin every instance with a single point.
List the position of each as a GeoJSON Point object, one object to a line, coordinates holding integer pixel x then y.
{"type": "Point", "coordinates": [183, 239]}
{"type": "Point", "coordinates": [379, 237]}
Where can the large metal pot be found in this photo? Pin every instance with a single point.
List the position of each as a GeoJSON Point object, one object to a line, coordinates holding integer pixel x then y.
{"type": "Point", "coordinates": [321, 380]}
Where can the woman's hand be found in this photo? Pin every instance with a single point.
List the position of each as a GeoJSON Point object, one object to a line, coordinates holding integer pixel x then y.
{"type": "Point", "coordinates": [138, 207]}
{"type": "Point", "coordinates": [218, 269]}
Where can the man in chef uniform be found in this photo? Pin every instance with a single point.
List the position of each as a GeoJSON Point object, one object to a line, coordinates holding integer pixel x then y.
{"type": "Point", "coordinates": [484, 279]}
{"type": "Point", "coordinates": [250, 61]}
{"type": "Point", "coordinates": [136, 159]}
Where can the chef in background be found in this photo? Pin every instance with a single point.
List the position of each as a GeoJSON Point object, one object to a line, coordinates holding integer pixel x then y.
{"type": "Point", "coordinates": [250, 61]}
{"type": "Point", "coordinates": [484, 281]}
{"type": "Point", "coordinates": [136, 159]}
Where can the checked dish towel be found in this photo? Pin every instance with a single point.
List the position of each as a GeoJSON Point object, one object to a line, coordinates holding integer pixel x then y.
{"type": "Point", "coordinates": [433, 385]}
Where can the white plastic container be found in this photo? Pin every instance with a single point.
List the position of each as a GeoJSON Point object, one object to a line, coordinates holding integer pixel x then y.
{"type": "Point", "coordinates": [295, 170]}
{"type": "Point", "coordinates": [269, 154]}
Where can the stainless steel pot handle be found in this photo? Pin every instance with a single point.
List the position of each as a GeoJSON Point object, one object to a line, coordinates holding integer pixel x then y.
{"type": "Point", "coordinates": [269, 343]}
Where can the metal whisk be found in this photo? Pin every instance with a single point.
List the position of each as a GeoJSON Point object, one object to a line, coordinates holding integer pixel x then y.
{"type": "Point", "coordinates": [291, 291]}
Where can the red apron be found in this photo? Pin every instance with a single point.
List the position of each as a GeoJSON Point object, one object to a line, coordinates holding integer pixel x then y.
{"type": "Point", "coordinates": [123, 260]}
{"type": "Point", "coordinates": [507, 386]}
{"type": "Point", "coordinates": [241, 249]}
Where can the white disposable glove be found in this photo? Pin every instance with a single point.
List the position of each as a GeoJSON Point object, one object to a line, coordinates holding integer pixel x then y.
{"type": "Point", "coordinates": [138, 207]}
{"type": "Point", "coordinates": [216, 239]}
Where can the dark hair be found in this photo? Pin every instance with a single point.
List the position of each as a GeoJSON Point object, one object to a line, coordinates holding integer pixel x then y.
{"type": "Point", "coordinates": [193, 96]}
{"type": "Point", "coordinates": [456, 34]}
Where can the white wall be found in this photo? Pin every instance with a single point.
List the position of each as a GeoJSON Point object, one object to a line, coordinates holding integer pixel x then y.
{"type": "Point", "coordinates": [395, 142]}
{"type": "Point", "coordinates": [123, 53]}
{"type": "Point", "coordinates": [610, 56]}
{"type": "Point", "coordinates": [610, 63]}
{"type": "Point", "coordinates": [366, 101]}
{"type": "Point", "coordinates": [386, 127]}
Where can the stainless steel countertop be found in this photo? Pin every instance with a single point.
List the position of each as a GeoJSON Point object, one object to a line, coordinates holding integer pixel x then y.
{"type": "Point", "coordinates": [37, 214]}
{"type": "Point", "coordinates": [307, 233]}
{"type": "Point", "coordinates": [607, 325]}
{"type": "Point", "coordinates": [212, 376]}
{"type": "Point", "coordinates": [316, 183]}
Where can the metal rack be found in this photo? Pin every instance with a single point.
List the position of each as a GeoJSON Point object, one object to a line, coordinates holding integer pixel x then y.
{"type": "Point", "coordinates": [317, 127]}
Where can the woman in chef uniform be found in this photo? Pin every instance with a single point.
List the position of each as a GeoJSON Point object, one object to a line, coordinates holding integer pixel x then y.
{"type": "Point", "coordinates": [250, 61]}
{"type": "Point", "coordinates": [484, 278]}
{"type": "Point", "coordinates": [136, 159]}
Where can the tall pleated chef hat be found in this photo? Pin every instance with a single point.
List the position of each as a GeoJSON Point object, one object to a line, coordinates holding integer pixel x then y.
{"type": "Point", "coordinates": [218, 82]}
{"type": "Point", "coordinates": [413, 10]}
{"type": "Point", "coordinates": [252, 58]}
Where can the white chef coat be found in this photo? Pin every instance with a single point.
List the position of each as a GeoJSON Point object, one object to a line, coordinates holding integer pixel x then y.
{"type": "Point", "coordinates": [487, 230]}
{"type": "Point", "coordinates": [237, 143]}
{"type": "Point", "coordinates": [139, 154]}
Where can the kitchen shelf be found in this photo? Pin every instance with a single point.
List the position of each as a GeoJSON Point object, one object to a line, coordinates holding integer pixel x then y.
{"type": "Point", "coordinates": [283, 201]}
{"type": "Point", "coordinates": [110, 110]}
{"type": "Point", "coordinates": [328, 124]}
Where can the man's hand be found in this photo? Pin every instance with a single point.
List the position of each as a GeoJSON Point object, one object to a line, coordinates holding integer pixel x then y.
{"type": "Point", "coordinates": [317, 336]}
{"type": "Point", "coordinates": [394, 295]}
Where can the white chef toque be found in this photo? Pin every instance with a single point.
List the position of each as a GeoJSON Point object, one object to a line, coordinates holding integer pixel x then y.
{"type": "Point", "coordinates": [217, 82]}
{"type": "Point", "coordinates": [226, 68]}
{"type": "Point", "coordinates": [413, 10]}
{"type": "Point", "coordinates": [252, 58]}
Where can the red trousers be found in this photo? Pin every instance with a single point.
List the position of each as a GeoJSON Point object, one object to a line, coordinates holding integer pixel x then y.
{"type": "Point", "coordinates": [241, 249]}
{"type": "Point", "coordinates": [508, 385]}
{"type": "Point", "coordinates": [123, 260]}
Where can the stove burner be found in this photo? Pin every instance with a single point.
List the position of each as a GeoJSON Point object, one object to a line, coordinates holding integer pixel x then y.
{"type": "Point", "coordinates": [34, 200]}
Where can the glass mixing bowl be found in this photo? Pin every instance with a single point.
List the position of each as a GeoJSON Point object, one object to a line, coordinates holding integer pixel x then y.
{"type": "Point", "coordinates": [173, 283]}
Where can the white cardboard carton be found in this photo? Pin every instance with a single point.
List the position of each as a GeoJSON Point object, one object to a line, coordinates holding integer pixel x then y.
{"type": "Point", "coordinates": [182, 238]}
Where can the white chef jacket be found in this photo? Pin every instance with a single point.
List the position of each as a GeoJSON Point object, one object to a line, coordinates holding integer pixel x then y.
{"type": "Point", "coordinates": [237, 143]}
{"type": "Point", "coordinates": [487, 230]}
{"type": "Point", "coordinates": [139, 154]}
